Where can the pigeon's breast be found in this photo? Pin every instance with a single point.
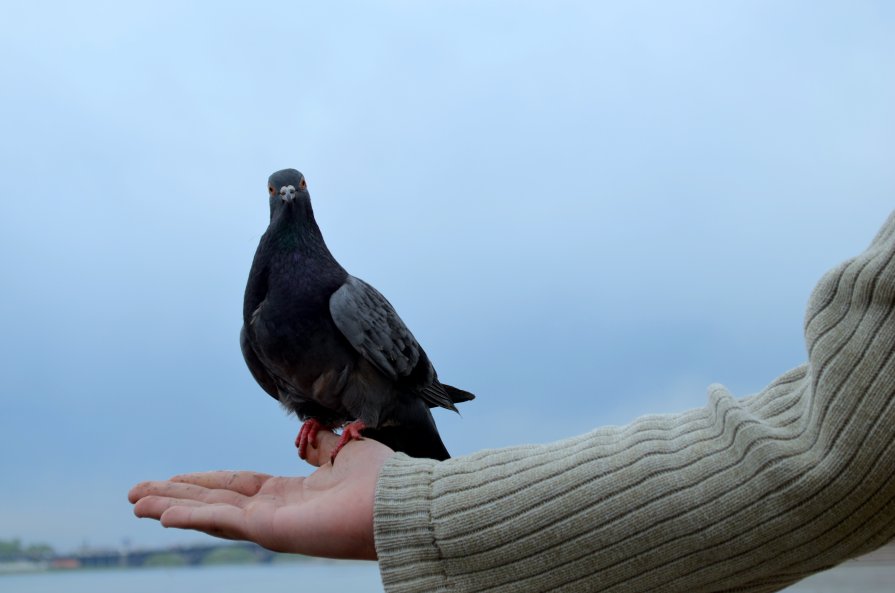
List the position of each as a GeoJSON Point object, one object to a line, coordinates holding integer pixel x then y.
{"type": "Point", "coordinates": [295, 337]}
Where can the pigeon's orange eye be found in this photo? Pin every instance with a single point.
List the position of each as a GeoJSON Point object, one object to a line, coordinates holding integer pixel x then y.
{"type": "Point", "coordinates": [302, 184]}
{"type": "Point", "coordinates": [270, 189]}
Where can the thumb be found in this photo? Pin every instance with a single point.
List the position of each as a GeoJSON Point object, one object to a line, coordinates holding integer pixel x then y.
{"type": "Point", "coordinates": [320, 454]}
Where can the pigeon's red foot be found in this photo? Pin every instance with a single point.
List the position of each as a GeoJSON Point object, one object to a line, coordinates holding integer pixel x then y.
{"type": "Point", "coordinates": [308, 436]}
{"type": "Point", "coordinates": [351, 431]}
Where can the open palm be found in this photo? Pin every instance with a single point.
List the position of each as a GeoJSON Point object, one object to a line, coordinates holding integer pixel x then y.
{"type": "Point", "coordinates": [329, 513]}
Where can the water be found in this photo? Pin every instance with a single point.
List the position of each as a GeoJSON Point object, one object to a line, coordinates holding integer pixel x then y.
{"type": "Point", "coordinates": [356, 577]}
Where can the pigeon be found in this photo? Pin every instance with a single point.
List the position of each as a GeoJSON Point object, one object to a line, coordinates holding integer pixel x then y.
{"type": "Point", "coordinates": [328, 346]}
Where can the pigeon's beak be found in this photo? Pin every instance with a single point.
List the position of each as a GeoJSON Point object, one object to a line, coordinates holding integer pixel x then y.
{"type": "Point", "coordinates": [287, 193]}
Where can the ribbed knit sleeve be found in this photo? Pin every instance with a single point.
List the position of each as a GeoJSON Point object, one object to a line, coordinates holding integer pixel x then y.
{"type": "Point", "coordinates": [744, 495]}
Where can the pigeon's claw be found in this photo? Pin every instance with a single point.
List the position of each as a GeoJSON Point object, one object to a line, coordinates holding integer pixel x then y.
{"type": "Point", "coordinates": [351, 431]}
{"type": "Point", "coordinates": [308, 436]}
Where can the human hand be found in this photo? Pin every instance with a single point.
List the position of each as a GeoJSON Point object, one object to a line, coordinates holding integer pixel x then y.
{"type": "Point", "coordinates": [329, 513]}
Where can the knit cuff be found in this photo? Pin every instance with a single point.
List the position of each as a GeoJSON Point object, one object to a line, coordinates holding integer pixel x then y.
{"type": "Point", "coordinates": [409, 559]}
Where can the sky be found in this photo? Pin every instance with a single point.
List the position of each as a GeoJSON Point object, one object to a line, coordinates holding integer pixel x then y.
{"type": "Point", "coordinates": [585, 212]}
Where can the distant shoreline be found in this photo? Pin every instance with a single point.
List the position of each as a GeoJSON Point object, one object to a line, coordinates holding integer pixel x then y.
{"type": "Point", "coordinates": [169, 557]}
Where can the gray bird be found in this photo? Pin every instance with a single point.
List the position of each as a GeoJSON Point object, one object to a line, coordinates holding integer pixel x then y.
{"type": "Point", "coordinates": [328, 346]}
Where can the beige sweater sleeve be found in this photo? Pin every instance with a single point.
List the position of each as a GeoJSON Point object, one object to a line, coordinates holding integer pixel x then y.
{"type": "Point", "coordinates": [743, 495]}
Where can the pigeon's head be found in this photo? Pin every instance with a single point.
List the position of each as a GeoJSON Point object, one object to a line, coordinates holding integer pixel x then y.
{"type": "Point", "coordinates": [290, 202]}
{"type": "Point", "coordinates": [286, 186]}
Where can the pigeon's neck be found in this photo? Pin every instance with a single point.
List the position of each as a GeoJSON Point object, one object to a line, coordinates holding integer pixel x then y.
{"type": "Point", "coordinates": [295, 230]}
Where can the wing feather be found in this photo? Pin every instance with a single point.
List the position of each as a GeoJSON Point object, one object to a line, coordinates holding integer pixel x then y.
{"type": "Point", "coordinates": [373, 327]}
{"type": "Point", "coordinates": [256, 367]}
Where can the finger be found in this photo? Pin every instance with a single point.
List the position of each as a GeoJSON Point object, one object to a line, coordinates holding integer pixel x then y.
{"type": "Point", "coordinates": [326, 444]}
{"type": "Point", "coordinates": [152, 507]}
{"type": "Point", "coordinates": [136, 492]}
{"type": "Point", "coordinates": [220, 520]}
{"type": "Point", "coordinates": [244, 482]}
{"type": "Point", "coordinates": [149, 488]}
{"type": "Point", "coordinates": [191, 492]}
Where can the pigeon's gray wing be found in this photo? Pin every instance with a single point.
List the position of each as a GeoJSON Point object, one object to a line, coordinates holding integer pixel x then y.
{"type": "Point", "coordinates": [372, 326]}
{"type": "Point", "coordinates": [256, 367]}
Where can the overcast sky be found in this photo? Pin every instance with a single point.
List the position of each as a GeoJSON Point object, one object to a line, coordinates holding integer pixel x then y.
{"type": "Point", "coordinates": [585, 212]}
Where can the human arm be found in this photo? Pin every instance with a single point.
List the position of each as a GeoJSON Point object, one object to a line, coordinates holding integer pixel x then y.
{"type": "Point", "coordinates": [747, 495]}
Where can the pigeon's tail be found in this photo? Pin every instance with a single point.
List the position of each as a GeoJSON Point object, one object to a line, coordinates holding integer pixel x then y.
{"type": "Point", "coordinates": [417, 439]}
{"type": "Point", "coordinates": [410, 442]}
{"type": "Point", "coordinates": [458, 395]}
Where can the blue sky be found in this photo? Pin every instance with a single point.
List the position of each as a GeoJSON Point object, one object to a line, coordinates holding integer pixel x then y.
{"type": "Point", "coordinates": [585, 212]}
